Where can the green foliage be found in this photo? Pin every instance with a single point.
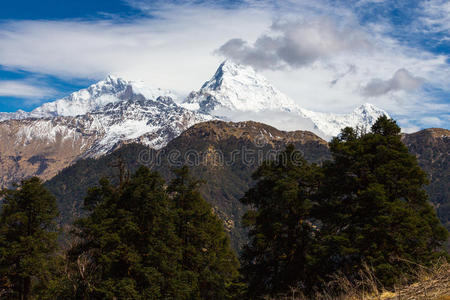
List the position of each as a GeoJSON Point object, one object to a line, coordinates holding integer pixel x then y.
{"type": "Point", "coordinates": [70, 186]}
{"type": "Point", "coordinates": [278, 255]}
{"type": "Point", "coordinates": [373, 207]}
{"type": "Point", "coordinates": [141, 242]}
{"type": "Point", "coordinates": [28, 236]}
{"type": "Point", "coordinates": [129, 240]}
{"type": "Point", "coordinates": [369, 206]}
{"type": "Point", "coordinates": [141, 239]}
{"type": "Point", "coordinates": [206, 252]}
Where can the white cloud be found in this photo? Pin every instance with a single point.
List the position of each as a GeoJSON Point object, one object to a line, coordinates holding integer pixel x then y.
{"type": "Point", "coordinates": [436, 15]}
{"type": "Point", "coordinates": [281, 120]}
{"type": "Point", "coordinates": [411, 125]}
{"type": "Point", "coordinates": [172, 50]}
{"type": "Point", "coordinates": [431, 121]}
{"type": "Point", "coordinates": [24, 89]}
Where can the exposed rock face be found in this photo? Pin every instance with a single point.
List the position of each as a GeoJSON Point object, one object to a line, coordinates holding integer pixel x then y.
{"type": "Point", "coordinates": [432, 148]}
{"type": "Point", "coordinates": [42, 147]}
{"type": "Point", "coordinates": [45, 146]}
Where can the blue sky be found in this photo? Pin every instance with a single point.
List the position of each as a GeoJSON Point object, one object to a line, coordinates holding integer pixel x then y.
{"type": "Point", "coordinates": [326, 55]}
{"type": "Point", "coordinates": [58, 9]}
{"type": "Point", "coordinates": [55, 87]}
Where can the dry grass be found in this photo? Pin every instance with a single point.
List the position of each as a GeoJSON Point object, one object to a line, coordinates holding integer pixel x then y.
{"type": "Point", "coordinates": [430, 284]}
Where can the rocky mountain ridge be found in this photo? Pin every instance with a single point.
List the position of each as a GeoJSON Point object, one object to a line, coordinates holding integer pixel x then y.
{"type": "Point", "coordinates": [60, 141]}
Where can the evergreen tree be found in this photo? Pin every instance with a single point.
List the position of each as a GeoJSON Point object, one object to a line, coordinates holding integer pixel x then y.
{"type": "Point", "coordinates": [281, 231]}
{"type": "Point", "coordinates": [206, 252]}
{"type": "Point", "coordinates": [129, 243]}
{"type": "Point", "coordinates": [28, 234]}
{"type": "Point", "coordinates": [373, 207]}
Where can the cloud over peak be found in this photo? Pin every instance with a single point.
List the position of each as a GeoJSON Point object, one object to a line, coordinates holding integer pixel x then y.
{"type": "Point", "coordinates": [296, 44]}
{"type": "Point", "coordinates": [402, 80]}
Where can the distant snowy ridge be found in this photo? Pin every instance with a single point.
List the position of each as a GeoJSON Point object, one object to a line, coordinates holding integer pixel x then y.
{"type": "Point", "coordinates": [363, 116]}
{"type": "Point", "coordinates": [20, 114]}
{"type": "Point", "coordinates": [96, 96]}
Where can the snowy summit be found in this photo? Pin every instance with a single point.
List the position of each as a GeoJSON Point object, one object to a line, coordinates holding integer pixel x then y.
{"type": "Point", "coordinates": [238, 93]}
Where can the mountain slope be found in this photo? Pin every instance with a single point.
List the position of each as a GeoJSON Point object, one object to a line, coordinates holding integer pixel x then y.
{"type": "Point", "coordinates": [151, 122]}
{"type": "Point", "coordinates": [432, 148]}
{"type": "Point", "coordinates": [115, 112]}
{"type": "Point", "coordinates": [234, 93]}
{"type": "Point", "coordinates": [43, 146]}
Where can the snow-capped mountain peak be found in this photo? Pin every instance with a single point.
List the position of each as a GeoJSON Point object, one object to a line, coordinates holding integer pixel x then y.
{"type": "Point", "coordinates": [239, 93]}
{"type": "Point", "coordinates": [110, 90]}
{"type": "Point", "coordinates": [20, 114]}
{"type": "Point", "coordinates": [150, 122]}
{"type": "Point", "coordinates": [237, 87]}
{"type": "Point", "coordinates": [83, 101]}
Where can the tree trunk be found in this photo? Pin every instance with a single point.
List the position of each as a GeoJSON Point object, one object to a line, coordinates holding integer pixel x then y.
{"type": "Point", "coordinates": [26, 288]}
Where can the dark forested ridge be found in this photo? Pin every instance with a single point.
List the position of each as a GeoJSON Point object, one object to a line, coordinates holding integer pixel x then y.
{"type": "Point", "coordinates": [225, 183]}
{"type": "Point", "coordinates": [218, 146]}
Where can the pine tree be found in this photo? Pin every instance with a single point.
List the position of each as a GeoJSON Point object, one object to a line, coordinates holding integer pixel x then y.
{"type": "Point", "coordinates": [129, 241]}
{"type": "Point", "coordinates": [373, 206]}
{"type": "Point", "coordinates": [28, 238]}
{"type": "Point", "coordinates": [281, 231]}
{"type": "Point", "coordinates": [206, 252]}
